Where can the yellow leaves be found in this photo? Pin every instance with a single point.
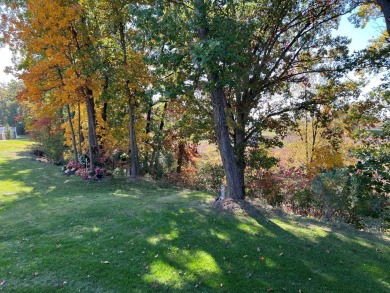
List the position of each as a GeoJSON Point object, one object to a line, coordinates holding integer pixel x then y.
{"type": "Point", "coordinates": [83, 126]}
{"type": "Point", "coordinates": [324, 158]}
{"type": "Point", "coordinates": [311, 148]}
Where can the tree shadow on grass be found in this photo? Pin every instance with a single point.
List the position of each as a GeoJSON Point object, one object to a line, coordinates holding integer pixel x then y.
{"type": "Point", "coordinates": [185, 250]}
{"type": "Point", "coordinates": [259, 257]}
{"type": "Point", "coordinates": [17, 181]}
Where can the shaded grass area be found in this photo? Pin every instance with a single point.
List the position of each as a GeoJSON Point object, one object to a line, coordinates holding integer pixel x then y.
{"type": "Point", "coordinates": [59, 233]}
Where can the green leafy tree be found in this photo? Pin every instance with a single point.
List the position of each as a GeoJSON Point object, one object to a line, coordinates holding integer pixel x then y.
{"type": "Point", "coordinates": [11, 111]}
{"type": "Point", "coordinates": [242, 57]}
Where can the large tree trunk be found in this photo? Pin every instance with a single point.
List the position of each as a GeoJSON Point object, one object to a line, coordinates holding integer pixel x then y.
{"type": "Point", "coordinates": [145, 164]}
{"type": "Point", "coordinates": [180, 155]}
{"type": "Point", "coordinates": [93, 145]}
{"type": "Point", "coordinates": [385, 6]}
{"type": "Point", "coordinates": [235, 184]}
{"type": "Point", "coordinates": [135, 167]}
{"type": "Point", "coordinates": [81, 137]}
{"type": "Point", "coordinates": [74, 145]}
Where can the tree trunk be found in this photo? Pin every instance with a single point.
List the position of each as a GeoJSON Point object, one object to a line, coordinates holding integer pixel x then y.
{"type": "Point", "coordinates": [74, 145]}
{"type": "Point", "coordinates": [180, 156]}
{"type": "Point", "coordinates": [147, 131]}
{"type": "Point", "coordinates": [81, 137]}
{"type": "Point", "coordinates": [235, 185]}
{"type": "Point", "coordinates": [135, 168]}
{"type": "Point", "coordinates": [104, 112]}
{"type": "Point", "coordinates": [93, 145]}
{"type": "Point", "coordinates": [385, 6]}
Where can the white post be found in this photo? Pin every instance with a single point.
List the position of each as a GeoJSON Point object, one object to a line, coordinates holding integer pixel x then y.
{"type": "Point", "coordinates": [222, 197]}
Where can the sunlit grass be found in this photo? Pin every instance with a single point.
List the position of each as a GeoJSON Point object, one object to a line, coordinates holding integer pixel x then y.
{"type": "Point", "coordinates": [59, 233]}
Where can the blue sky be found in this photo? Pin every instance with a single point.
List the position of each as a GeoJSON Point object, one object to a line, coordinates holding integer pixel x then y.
{"type": "Point", "coordinates": [5, 60]}
{"type": "Point", "coordinates": [360, 39]}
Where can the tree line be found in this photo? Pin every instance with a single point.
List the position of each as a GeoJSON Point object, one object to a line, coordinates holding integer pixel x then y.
{"type": "Point", "coordinates": [150, 76]}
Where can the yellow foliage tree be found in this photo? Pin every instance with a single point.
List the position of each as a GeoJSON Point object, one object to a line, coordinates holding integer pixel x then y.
{"type": "Point", "coordinates": [315, 147]}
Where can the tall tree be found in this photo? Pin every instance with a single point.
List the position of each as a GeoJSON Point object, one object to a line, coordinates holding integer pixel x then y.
{"type": "Point", "coordinates": [59, 56]}
{"type": "Point", "coordinates": [244, 58]}
{"type": "Point", "coordinates": [129, 74]}
{"type": "Point", "coordinates": [235, 182]}
{"type": "Point", "coordinates": [10, 109]}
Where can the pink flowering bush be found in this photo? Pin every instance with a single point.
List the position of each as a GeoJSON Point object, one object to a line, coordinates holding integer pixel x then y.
{"type": "Point", "coordinates": [75, 168]}
{"type": "Point", "coordinates": [72, 167]}
{"type": "Point", "coordinates": [83, 173]}
{"type": "Point", "coordinates": [87, 175]}
{"type": "Point", "coordinates": [100, 172]}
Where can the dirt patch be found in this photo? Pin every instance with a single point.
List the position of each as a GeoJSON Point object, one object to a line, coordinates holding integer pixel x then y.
{"type": "Point", "coordinates": [228, 205]}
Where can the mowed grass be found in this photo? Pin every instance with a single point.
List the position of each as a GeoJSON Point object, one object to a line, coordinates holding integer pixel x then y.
{"type": "Point", "coordinates": [59, 233]}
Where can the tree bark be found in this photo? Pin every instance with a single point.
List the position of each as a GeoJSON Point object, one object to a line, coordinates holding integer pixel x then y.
{"type": "Point", "coordinates": [81, 137]}
{"type": "Point", "coordinates": [385, 6]}
{"type": "Point", "coordinates": [93, 145]}
{"type": "Point", "coordinates": [235, 185]}
{"type": "Point", "coordinates": [145, 166]}
{"type": "Point", "coordinates": [180, 156]}
{"type": "Point", "coordinates": [74, 145]}
{"type": "Point", "coordinates": [135, 167]}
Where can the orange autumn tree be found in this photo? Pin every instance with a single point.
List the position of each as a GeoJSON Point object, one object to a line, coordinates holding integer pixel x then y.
{"type": "Point", "coordinates": [79, 55]}
{"type": "Point", "coordinates": [58, 57]}
{"type": "Point", "coordinates": [126, 75]}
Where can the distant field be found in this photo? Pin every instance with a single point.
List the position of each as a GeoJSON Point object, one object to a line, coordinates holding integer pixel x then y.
{"type": "Point", "coordinates": [59, 233]}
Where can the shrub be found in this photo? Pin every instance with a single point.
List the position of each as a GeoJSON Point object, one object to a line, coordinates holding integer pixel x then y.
{"type": "Point", "coordinates": [351, 194]}
{"type": "Point", "coordinates": [72, 167]}
{"type": "Point", "coordinates": [8, 133]}
{"type": "Point", "coordinates": [48, 133]}
{"type": "Point", "coordinates": [267, 186]}
{"type": "Point", "coordinates": [333, 193]}
{"type": "Point", "coordinates": [120, 172]}
{"type": "Point", "coordinates": [100, 172]}
{"type": "Point", "coordinates": [83, 171]}
{"type": "Point", "coordinates": [286, 187]}
{"type": "Point", "coordinates": [210, 177]}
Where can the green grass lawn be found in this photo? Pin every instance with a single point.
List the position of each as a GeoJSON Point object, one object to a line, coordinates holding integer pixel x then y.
{"type": "Point", "coordinates": [61, 233]}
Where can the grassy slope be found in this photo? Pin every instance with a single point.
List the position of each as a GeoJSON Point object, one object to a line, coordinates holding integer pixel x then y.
{"type": "Point", "coordinates": [60, 233]}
